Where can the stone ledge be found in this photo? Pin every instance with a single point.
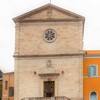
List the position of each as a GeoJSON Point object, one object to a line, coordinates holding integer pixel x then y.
{"type": "Point", "coordinates": [51, 55]}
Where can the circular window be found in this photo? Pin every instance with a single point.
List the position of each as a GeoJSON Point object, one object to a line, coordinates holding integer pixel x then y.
{"type": "Point", "coordinates": [49, 35]}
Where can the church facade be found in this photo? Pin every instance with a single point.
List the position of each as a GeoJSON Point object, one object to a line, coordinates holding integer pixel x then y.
{"type": "Point", "coordinates": [49, 54]}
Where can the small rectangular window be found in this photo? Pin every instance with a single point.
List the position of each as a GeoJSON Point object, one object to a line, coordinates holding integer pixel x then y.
{"type": "Point", "coordinates": [11, 91]}
{"type": "Point", "coordinates": [92, 70]}
{"type": "Point", "coordinates": [6, 85]}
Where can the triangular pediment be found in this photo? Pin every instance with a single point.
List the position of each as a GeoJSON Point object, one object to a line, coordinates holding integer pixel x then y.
{"type": "Point", "coordinates": [48, 12]}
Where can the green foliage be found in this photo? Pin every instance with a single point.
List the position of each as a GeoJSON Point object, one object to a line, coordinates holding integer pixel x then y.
{"type": "Point", "coordinates": [0, 89]}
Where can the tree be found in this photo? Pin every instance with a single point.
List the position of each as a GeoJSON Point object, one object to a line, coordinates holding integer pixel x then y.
{"type": "Point", "coordinates": [0, 90]}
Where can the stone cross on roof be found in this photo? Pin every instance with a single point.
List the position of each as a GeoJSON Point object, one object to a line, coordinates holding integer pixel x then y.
{"type": "Point", "coordinates": [50, 1]}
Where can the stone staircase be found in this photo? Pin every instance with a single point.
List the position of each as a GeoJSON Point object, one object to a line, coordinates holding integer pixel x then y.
{"type": "Point", "coordinates": [47, 98]}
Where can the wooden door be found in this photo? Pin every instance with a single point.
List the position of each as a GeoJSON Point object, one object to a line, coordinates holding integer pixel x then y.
{"type": "Point", "coordinates": [49, 88]}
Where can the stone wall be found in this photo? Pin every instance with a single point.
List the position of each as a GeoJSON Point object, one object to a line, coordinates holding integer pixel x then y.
{"type": "Point", "coordinates": [68, 40]}
{"type": "Point", "coordinates": [68, 83]}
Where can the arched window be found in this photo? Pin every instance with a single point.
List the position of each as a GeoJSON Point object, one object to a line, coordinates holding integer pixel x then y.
{"type": "Point", "coordinates": [93, 96]}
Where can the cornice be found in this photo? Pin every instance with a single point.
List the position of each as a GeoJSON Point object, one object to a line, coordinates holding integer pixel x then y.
{"type": "Point", "coordinates": [52, 55]}
{"type": "Point", "coordinates": [92, 56]}
{"type": "Point", "coordinates": [52, 20]}
{"type": "Point", "coordinates": [49, 74]}
{"type": "Point", "coordinates": [8, 73]}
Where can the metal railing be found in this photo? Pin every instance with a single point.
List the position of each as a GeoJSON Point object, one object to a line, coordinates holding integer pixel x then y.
{"type": "Point", "coordinates": [47, 98]}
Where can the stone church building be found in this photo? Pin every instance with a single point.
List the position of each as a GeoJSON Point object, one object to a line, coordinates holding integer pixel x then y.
{"type": "Point", "coordinates": [49, 54]}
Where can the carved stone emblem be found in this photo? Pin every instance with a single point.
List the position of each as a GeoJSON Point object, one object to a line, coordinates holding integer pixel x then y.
{"type": "Point", "coordinates": [49, 63]}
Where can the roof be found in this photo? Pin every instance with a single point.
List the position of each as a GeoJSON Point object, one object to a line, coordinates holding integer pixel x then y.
{"type": "Point", "coordinates": [9, 73]}
{"type": "Point", "coordinates": [92, 54]}
{"type": "Point", "coordinates": [19, 18]}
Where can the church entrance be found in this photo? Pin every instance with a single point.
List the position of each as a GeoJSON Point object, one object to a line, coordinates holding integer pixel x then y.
{"type": "Point", "coordinates": [49, 88]}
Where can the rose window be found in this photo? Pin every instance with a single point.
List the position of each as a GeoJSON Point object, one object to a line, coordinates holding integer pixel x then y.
{"type": "Point", "coordinates": [49, 35]}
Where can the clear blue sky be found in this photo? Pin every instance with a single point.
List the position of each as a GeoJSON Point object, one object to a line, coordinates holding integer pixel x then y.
{"type": "Point", "coordinates": [12, 8]}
